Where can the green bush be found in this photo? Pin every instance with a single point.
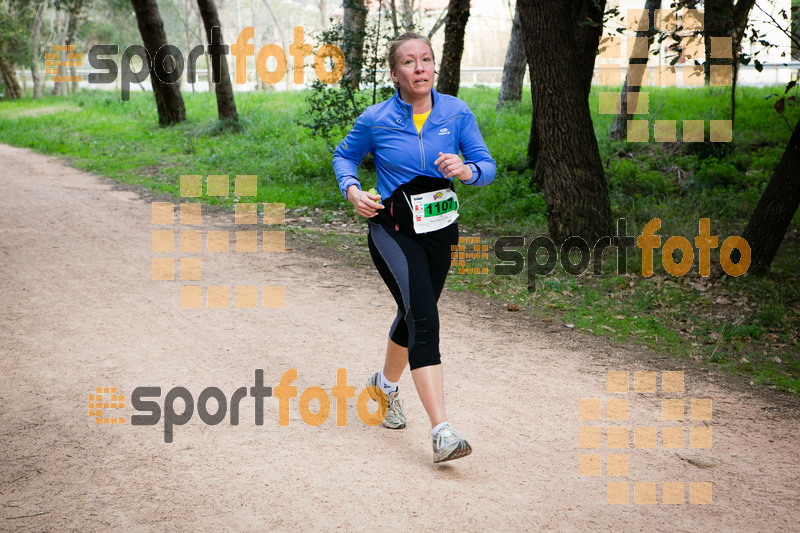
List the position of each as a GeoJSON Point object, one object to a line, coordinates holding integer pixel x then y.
{"type": "Point", "coordinates": [333, 109]}
{"type": "Point", "coordinates": [713, 173]}
{"type": "Point", "coordinates": [626, 176]}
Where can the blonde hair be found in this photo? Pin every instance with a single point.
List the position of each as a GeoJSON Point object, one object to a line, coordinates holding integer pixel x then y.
{"type": "Point", "coordinates": [395, 45]}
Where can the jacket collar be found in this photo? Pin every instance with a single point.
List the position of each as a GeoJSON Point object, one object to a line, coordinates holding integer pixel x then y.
{"type": "Point", "coordinates": [405, 108]}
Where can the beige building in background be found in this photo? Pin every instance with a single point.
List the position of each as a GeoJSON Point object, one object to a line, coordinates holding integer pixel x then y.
{"type": "Point", "coordinates": [486, 39]}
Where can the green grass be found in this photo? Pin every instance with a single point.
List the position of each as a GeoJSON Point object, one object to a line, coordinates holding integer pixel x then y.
{"type": "Point", "coordinates": [749, 326]}
{"type": "Point", "coordinates": [122, 140]}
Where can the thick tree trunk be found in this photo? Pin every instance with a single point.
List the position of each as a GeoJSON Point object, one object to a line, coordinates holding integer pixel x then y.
{"type": "Point", "coordinates": [226, 105]}
{"type": "Point", "coordinates": [450, 69]}
{"type": "Point", "coordinates": [355, 17]}
{"type": "Point", "coordinates": [775, 209]}
{"type": "Point", "coordinates": [514, 68]}
{"type": "Point", "coordinates": [209, 77]}
{"type": "Point", "coordinates": [587, 17]}
{"type": "Point", "coordinates": [568, 161]}
{"type": "Point", "coordinates": [619, 128]}
{"type": "Point", "coordinates": [533, 138]}
{"type": "Point", "coordinates": [588, 26]}
{"type": "Point", "coordinates": [12, 89]}
{"type": "Point", "coordinates": [169, 101]}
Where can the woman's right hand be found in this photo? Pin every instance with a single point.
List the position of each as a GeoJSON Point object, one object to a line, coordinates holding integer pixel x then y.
{"type": "Point", "coordinates": [365, 203]}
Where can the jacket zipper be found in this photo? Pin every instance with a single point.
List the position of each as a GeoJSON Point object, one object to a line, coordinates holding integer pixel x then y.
{"type": "Point", "coordinates": [419, 136]}
{"type": "Point", "coordinates": [421, 147]}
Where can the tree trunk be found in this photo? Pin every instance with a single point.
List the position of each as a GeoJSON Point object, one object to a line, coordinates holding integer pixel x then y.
{"type": "Point", "coordinates": [355, 17]}
{"type": "Point", "coordinates": [169, 102]}
{"type": "Point", "coordinates": [408, 15]}
{"type": "Point", "coordinates": [61, 27]}
{"type": "Point", "coordinates": [226, 106]}
{"type": "Point", "coordinates": [794, 30]}
{"type": "Point", "coordinates": [12, 90]}
{"type": "Point", "coordinates": [438, 24]}
{"type": "Point", "coordinates": [619, 128]}
{"type": "Point", "coordinates": [724, 19]}
{"type": "Point", "coordinates": [74, 11]}
{"type": "Point", "coordinates": [717, 22]}
{"type": "Point", "coordinates": [587, 17]}
{"type": "Point", "coordinates": [588, 28]}
{"type": "Point", "coordinates": [36, 41]}
{"type": "Point", "coordinates": [209, 77]}
{"type": "Point", "coordinates": [257, 44]}
{"type": "Point", "coordinates": [568, 161]}
{"type": "Point", "coordinates": [395, 25]}
{"type": "Point", "coordinates": [323, 14]}
{"type": "Point", "coordinates": [533, 138]}
{"type": "Point", "coordinates": [740, 16]}
{"type": "Point", "coordinates": [450, 69]}
{"type": "Point", "coordinates": [281, 35]}
{"type": "Point", "coordinates": [775, 209]}
{"type": "Point", "coordinates": [514, 68]}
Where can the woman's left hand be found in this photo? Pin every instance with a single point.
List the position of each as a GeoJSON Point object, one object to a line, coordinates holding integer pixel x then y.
{"type": "Point", "coordinates": [452, 166]}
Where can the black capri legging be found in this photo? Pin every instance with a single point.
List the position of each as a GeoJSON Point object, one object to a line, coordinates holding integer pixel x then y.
{"type": "Point", "coordinates": [414, 268]}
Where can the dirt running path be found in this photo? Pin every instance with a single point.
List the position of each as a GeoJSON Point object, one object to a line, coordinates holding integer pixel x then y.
{"type": "Point", "coordinates": [79, 310]}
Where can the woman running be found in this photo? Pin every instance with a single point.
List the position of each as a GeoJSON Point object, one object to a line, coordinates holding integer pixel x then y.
{"type": "Point", "coordinates": [415, 138]}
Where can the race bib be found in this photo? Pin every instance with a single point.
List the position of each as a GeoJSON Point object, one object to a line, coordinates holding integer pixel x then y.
{"type": "Point", "coordinates": [434, 210]}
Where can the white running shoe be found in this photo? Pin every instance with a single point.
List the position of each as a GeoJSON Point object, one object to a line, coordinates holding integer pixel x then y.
{"type": "Point", "coordinates": [395, 414]}
{"type": "Point", "coordinates": [448, 444]}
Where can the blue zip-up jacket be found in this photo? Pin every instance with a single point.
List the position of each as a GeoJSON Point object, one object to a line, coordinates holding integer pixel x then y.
{"type": "Point", "coordinates": [387, 130]}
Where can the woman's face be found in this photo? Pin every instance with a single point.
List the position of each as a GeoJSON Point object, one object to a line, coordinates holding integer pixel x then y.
{"type": "Point", "coordinates": [414, 71]}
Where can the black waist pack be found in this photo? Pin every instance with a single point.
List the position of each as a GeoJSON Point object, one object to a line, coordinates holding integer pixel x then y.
{"type": "Point", "coordinates": [397, 213]}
